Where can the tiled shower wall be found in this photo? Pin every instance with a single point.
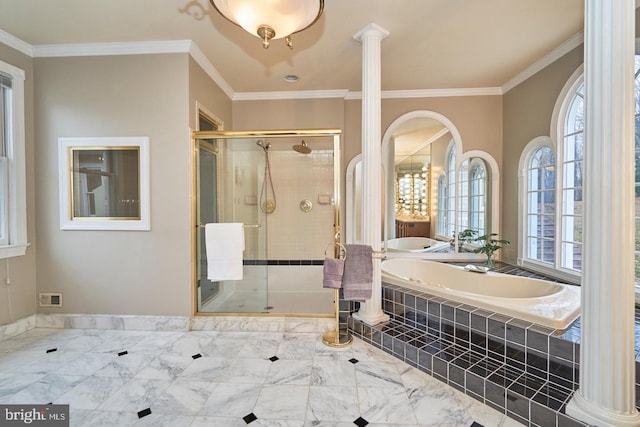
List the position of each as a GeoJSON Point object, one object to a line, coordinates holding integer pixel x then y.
{"type": "Point", "coordinates": [290, 234]}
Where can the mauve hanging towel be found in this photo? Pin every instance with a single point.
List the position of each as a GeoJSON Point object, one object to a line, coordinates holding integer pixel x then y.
{"type": "Point", "coordinates": [332, 271]}
{"type": "Point", "coordinates": [357, 279]}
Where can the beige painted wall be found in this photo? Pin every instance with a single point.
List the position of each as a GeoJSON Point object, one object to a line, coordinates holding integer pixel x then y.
{"type": "Point", "coordinates": [209, 95]}
{"type": "Point", "coordinates": [22, 270]}
{"type": "Point", "coordinates": [119, 272]}
{"type": "Point", "coordinates": [527, 114]}
{"type": "Point", "coordinates": [477, 118]}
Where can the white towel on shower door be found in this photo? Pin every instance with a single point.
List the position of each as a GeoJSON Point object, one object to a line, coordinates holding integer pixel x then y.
{"type": "Point", "coordinates": [224, 243]}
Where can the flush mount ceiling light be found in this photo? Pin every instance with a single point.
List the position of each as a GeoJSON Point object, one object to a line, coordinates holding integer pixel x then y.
{"type": "Point", "coordinates": [271, 19]}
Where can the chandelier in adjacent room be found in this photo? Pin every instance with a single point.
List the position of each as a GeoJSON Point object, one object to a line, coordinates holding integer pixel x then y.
{"type": "Point", "coordinates": [271, 19]}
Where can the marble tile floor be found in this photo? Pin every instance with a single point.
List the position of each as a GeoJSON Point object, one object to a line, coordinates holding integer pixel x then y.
{"type": "Point", "coordinates": [211, 378]}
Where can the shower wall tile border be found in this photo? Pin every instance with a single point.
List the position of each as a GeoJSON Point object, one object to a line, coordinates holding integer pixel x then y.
{"type": "Point", "coordinates": [295, 262]}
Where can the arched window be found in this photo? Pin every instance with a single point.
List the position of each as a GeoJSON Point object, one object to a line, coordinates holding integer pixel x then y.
{"type": "Point", "coordinates": [442, 205]}
{"type": "Point", "coordinates": [451, 190]}
{"type": "Point", "coordinates": [541, 206]}
{"type": "Point", "coordinates": [463, 200]}
{"type": "Point", "coordinates": [478, 197]}
{"type": "Point", "coordinates": [571, 182]}
{"type": "Point", "coordinates": [471, 190]}
{"type": "Point", "coordinates": [552, 231]}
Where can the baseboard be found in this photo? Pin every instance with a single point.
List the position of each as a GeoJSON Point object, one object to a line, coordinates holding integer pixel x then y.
{"type": "Point", "coordinates": [124, 322]}
{"type": "Point", "coordinates": [18, 327]}
{"type": "Point", "coordinates": [167, 323]}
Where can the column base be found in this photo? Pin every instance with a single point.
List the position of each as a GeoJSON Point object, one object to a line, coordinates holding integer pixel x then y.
{"type": "Point", "coordinates": [585, 411]}
{"type": "Point", "coordinates": [371, 319]}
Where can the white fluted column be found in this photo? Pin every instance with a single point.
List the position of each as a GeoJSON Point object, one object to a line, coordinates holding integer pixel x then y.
{"type": "Point", "coordinates": [371, 38]}
{"type": "Point", "coordinates": [606, 393]}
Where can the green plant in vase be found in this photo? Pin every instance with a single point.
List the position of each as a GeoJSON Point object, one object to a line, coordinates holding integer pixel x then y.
{"type": "Point", "coordinates": [465, 236]}
{"type": "Point", "coordinates": [489, 244]}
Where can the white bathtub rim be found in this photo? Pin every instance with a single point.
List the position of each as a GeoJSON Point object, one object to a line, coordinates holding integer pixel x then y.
{"type": "Point", "coordinates": [419, 282]}
{"type": "Point", "coordinates": [564, 314]}
{"type": "Point", "coordinates": [434, 245]}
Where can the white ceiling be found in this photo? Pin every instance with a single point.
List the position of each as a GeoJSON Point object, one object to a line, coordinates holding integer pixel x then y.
{"type": "Point", "coordinates": [433, 44]}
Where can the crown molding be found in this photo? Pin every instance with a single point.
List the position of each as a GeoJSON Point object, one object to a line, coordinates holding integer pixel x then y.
{"type": "Point", "coordinates": [106, 49]}
{"type": "Point", "coordinates": [431, 93]}
{"type": "Point", "coordinates": [137, 48]}
{"type": "Point", "coordinates": [15, 43]}
{"type": "Point", "coordinates": [190, 47]}
{"type": "Point", "coordinates": [436, 93]}
{"type": "Point", "coordinates": [303, 94]}
{"type": "Point", "coordinates": [211, 71]}
{"type": "Point", "coordinates": [545, 61]}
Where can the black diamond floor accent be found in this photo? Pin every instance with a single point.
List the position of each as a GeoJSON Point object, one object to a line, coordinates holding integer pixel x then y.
{"type": "Point", "coordinates": [249, 418]}
{"type": "Point", "coordinates": [354, 360]}
{"type": "Point", "coordinates": [51, 350]}
{"type": "Point", "coordinates": [475, 424]}
{"type": "Point", "coordinates": [122, 353]}
{"type": "Point", "coordinates": [196, 356]}
{"type": "Point", "coordinates": [361, 422]}
{"type": "Point", "coordinates": [274, 358]}
{"type": "Point", "coordinates": [144, 413]}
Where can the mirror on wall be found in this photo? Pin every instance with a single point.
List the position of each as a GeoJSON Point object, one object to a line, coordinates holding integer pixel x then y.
{"type": "Point", "coordinates": [435, 196]}
{"type": "Point", "coordinates": [104, 183]}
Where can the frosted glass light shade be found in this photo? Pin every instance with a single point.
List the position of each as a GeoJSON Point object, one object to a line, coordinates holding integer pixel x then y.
{"type": "Point", "coordinates": [285, 17]}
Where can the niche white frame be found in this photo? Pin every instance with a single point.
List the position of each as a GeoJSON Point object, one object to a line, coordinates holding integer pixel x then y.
{"type": "Point", "coordinates": [67, 222]}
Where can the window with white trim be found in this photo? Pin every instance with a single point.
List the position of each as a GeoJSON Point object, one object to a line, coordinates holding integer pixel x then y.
{"type": "Point", "coordinates": [5, 134]}
{"type": "Point", "coordinates": [463, 202]}
{"type": "Point", "coordinates": [442, 205]}
{"type": "Point", "coordinates": [637, 168]}
{"type": "Point", "coordinates": [571, 183]}
{"type": "Point", "coordinates": [470, 184]}
{"type": "Point", "coordinates": [478, 197]}
{"type": "Point", "coordinates": [553, 231]}
{"type": "Point", "coordinates": [541, 206]}
{"type": "Point", "coordinates": [451, 191]}
{"type": "Point", "coordinates": [13, 221]}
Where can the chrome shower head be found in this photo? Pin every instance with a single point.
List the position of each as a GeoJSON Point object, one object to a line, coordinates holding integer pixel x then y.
{"type": "Point", "coordinates": [302, 148]}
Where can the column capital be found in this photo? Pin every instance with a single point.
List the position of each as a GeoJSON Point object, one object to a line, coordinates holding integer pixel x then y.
{"type": "Point", "coordinates": [371, 30]}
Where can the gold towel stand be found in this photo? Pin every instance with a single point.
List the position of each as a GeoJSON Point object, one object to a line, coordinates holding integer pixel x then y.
{"type": "Point", "coordinates": [337, 338]}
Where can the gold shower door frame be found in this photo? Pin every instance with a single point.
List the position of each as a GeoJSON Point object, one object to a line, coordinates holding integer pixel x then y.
{"type": "Point", "coordinates": [197, 136]}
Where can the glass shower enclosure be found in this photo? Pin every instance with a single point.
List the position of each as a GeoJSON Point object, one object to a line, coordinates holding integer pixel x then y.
{"type": "Point", "coordinates": [283, 187]}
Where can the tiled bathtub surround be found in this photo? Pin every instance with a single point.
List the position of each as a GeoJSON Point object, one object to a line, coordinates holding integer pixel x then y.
{"type": "Point", "coordinates": [523, 370]}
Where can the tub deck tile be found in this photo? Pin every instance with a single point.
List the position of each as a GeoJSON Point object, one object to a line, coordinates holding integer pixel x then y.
{"type": "Point", "coordinates": [523, 370]}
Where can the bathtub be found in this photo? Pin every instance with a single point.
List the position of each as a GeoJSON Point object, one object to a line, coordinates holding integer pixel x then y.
{"type": "Point", "coordinates": [546, 303]}
{"type": "Point", "coordinates": [414, 244]}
